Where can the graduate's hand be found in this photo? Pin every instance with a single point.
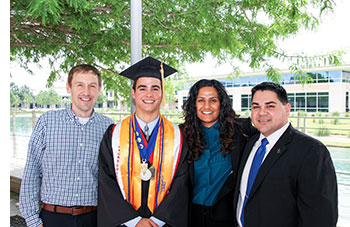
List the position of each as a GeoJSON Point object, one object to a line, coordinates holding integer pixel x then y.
{"type": "Point", "coordinates": [146, 222]}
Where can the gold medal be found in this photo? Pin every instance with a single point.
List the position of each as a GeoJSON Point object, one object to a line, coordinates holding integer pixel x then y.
{"type": "Point", "coordinates": [145, 173]}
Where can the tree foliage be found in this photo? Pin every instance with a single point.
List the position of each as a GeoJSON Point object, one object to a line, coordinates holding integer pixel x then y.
{"type": "Point", "coordinates": [48, 98]}
{"type": "Point", "coordinates": [20, 95]}
{"type": "Point", "coordinates": [101, 99]}
{"type": "Point", "coordinates": [176, 31]}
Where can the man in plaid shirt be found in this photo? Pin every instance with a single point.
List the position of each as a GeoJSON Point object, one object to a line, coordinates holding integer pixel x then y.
{"type": "Point", "coordinates": [62, 159]}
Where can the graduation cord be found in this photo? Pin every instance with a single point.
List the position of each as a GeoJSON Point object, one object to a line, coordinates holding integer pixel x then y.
{"type": "Point", "coordinates": [160, 165]}
{"type": "Point", "coordinates": [131, 155]}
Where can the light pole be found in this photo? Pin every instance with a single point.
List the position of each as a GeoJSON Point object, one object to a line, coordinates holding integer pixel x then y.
{"type": "Point", "coordinates": [136, 37]}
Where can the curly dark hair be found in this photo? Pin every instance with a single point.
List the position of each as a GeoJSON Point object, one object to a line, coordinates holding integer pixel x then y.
{"type": "Point", "coordinates": [192, 125]}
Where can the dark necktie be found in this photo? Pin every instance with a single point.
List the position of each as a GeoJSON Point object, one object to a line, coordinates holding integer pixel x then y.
{"type": "Point", "coordinates": [146, 130]}
{"type": "Point", "coordinates": [258, 157]}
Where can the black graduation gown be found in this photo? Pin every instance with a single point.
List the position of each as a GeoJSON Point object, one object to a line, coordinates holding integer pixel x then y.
{"type": "Point", "coordinates": [113, 210]}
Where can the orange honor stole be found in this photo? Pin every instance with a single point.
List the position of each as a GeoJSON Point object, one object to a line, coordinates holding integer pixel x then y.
{"type": "Point", "coordinates": [127, 161]}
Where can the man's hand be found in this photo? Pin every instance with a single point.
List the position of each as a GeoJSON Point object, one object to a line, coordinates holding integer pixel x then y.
{"type": "Point", "coordinates": [146, 222]}
{"type": "Point", "coordinates": [41, 225]}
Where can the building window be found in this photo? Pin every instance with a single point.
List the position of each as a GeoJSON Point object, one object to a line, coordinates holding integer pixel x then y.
{"type": "Point", "coordinates": [322, 77]}
{"type": "Point", "coordinates": [291, 100]}
{"type": "Point", "coordinates": [184, 99]}
{"type": "Point", "coordinates": [231, 99]}
{"type": "Point", "coordinates": [335, 76]}
{"type": "Point", "coordinates": [346, 77]}
{"type": "Point", "coordinates": [323, 101]}
{"type": "Point", "coordinates": [287, 79]}
{"type": "Point", "coordinates": [246, 101]}
{"type": "Point", "coordinates": [309, 102]}
{"type": "Point", "coordinates": [300, 101]}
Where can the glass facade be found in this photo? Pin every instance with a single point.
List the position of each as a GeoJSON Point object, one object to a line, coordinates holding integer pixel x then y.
{"type": "Point", "coordinates": [304, 101]}
{"type": "Point", "coordinates": [317, 77]}
{"type": "Point", "coordinates": [300, 101]}
{"type": "Point", "coordinates": [309, 101]}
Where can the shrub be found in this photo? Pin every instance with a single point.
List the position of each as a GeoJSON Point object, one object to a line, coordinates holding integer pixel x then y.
{"type": "Point", "coordinates": [336, 121]}
{"type": "Point", "coordinates": [323, 131]}
{"type": "Point", "coordinates": [301, 113]}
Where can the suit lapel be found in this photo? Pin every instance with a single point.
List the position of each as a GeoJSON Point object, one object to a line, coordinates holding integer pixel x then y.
{"type": "Point", "coordinates": [276, 152]}
{"type": "Point", "coordinates": [245, 156]}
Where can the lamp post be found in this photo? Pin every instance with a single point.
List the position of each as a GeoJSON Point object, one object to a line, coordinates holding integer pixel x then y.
{"type": "Point", "coordinates": [136, 37]}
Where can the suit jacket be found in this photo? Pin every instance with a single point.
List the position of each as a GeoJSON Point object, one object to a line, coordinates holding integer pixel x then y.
{"type": "Point", "coordinates": [296, 184]}
{"type": "Point", "coordinates": [222, 210]}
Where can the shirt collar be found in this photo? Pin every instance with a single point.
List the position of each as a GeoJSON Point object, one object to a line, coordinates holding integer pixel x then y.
{"type": "Point", "coordinates": [213, 127]}
{"type": "Point", "coordinates": [72, 115]}
{"type": "Point", "coordinates": [274, 137]}
{"type": "Point", "coordinates": [151, 124]}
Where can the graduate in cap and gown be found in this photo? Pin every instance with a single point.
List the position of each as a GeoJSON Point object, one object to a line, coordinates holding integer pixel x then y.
{"type": "Point", "coordinates": [143, 173]}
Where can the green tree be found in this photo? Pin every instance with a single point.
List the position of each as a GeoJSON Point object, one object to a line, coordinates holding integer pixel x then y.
{"type": "Point", "coordinates": [101, 99]}
{"type": "Point", "coordinates": [14, 98]}
{"type": "Point", "coordinates": [42, 99]}
{"type": "Point", "coordinates": [48, 98]}
{"type": "Point", "coordinates": [98, 32]}
{"type": "Point", "coordinates": [26, 95]}
{"type": "Point", "coordinates": [22, 95]}
{"type": "Point", "coordinates": [27, 99]}
{"type": "Point", "coordinates": [54, 98]}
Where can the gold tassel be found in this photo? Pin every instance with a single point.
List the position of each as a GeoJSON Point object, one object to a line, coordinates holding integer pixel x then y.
{"type": "Point", "coordinates": [162, 74]}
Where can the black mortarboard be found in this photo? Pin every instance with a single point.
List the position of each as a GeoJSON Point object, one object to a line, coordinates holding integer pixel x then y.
{"type": "Point", "coordinates": [147, 67]}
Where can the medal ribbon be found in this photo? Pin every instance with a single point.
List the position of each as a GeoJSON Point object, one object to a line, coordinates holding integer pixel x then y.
{"type": "Point", "coordinates": [146, 150]}
{"type": "Point", "coordinates": [167, 152]}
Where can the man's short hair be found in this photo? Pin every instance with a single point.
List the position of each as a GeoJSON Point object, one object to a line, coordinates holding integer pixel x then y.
{"type": "Point", "coordinates": [270, 86]}
{"type": "Point", "coordinates": [84, 68]}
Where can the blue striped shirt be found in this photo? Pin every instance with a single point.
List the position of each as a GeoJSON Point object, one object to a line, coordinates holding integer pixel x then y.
{"type": "Point", "coordinates": [62, 162]}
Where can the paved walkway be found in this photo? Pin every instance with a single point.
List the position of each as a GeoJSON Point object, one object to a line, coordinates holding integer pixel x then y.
{"type": "Point", "coordinates": [14, 204]}
{"type": "Point", "coordinates": [15, 216]}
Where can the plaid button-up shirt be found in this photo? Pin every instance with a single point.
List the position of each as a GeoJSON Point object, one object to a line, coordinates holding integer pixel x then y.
{"type": "Point", "coordinates": [62, 162]}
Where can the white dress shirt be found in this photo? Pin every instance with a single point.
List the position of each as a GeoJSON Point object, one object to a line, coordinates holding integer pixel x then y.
{"type": "Point", "coordinates": [273, 138]}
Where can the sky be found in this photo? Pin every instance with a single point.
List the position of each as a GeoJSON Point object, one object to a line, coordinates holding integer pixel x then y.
{"type": "Point", "coordinates": [332, 34]}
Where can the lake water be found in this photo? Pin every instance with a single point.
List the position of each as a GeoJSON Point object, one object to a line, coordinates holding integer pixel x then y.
{"type": "Point", "coordinates": [340, 157]}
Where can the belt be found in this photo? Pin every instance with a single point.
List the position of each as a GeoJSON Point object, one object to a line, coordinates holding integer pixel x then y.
{"type": "Point", "coordinates": [69, 210]}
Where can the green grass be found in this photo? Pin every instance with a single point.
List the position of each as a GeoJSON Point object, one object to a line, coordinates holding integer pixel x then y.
{"type": "Point", "coordinates": [339, 127]}
{"type": "Point", "coordinates": [335, 143]}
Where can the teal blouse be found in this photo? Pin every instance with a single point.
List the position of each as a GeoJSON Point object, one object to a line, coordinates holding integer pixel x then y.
{"type": "Point", "coordinates": [211, 170]}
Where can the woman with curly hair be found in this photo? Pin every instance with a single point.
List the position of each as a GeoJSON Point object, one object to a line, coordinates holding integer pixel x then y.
{"type": "Point", "coordinates": [216, 138]}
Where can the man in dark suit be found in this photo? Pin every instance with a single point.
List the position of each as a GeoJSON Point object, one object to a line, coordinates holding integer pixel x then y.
{"type": "Point", "coordinates": [286, 178]}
